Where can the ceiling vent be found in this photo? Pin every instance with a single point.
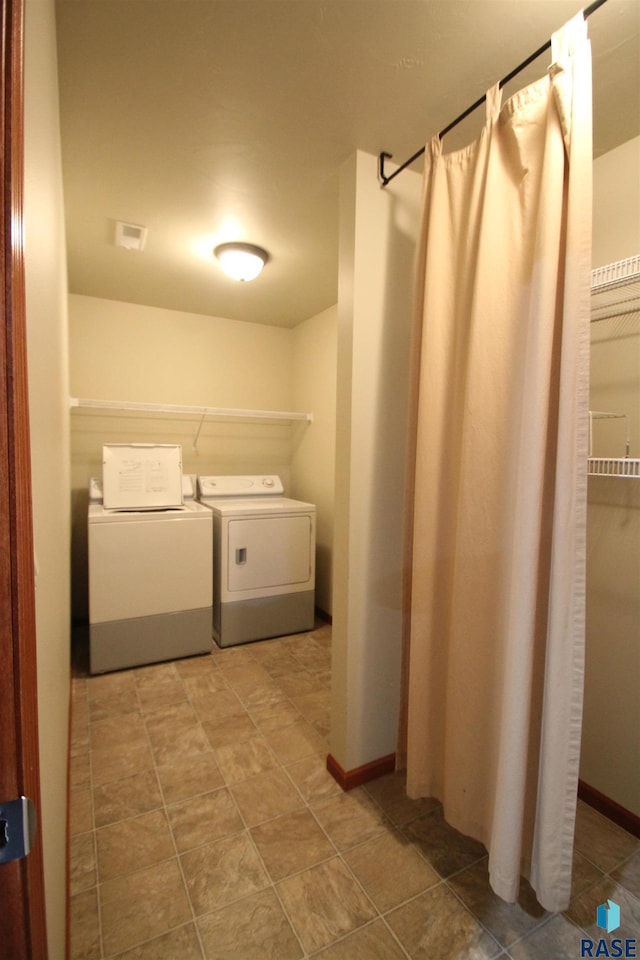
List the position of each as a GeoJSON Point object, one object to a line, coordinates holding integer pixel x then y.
{"type": "Point", "coordinates": [131, 236]}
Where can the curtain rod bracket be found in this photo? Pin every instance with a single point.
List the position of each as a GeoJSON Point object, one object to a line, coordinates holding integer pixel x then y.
{"type": "Point", "coordinates": [381, 159]}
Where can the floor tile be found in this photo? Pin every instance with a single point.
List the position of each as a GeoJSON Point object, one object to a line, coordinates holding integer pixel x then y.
{"type": "Point", "coordinates": [112, 730]}
{"type": "Point", "coordinates": [389, 792]}
{"type": "Point", "coordinates": [233, 729]}
{"type": "Point", "coordinates": [203, 819]}
{"type": "Point", "coordinates": [225, 703]}
{"type": "Point", "coordinates": [390, 870]}
{"type": "Point", "coordinates": [313, 706]}
{"type": "Point", "coordinates": [187, 777]}
{"type": "Point", "coordinates": [558, 939]}
{"type": "Point", "coordinates": [205, 683]}
{"type": "Point", "coordinates": [242, 675]}
{"type": "Point", "coordinates": [350, 818]}
{"type": "Point", "coordinates": [130, 845]}
{"type": "Point", "coordinates": [80, 811]}
{"type": "Point", "coordinates": [109, 685]}
{"type": "Point", "coordinates": [263, 694]}
{"type": "Point", "coordinates": [313, 780]}
{"type": "Point", "coordinates": [324, 904]}
{"type": "Point", "coordinates": [142, 905]}
{"type": "Point", "coordinates": [584, 874]}
{"type": "Point", "coordinates": [152, 696]}
{"type": "Point", "coordinates": [445, 849]}
{"type": "Point", "coordinates": [202, 679]}
{"type": "Point", "coordinates": [155, 675]}
{"type": "Point", "coordinates": [435, 926]}
{"type": "Point", "coordinates": [295, 742]}
{"type": "Point", "coordinates": [166, 717]}
{"type": "Point", "coordinates": [241, 760]}
{"type": "Point", "coordinates": [582, 910]}
{"type": "Point", "coordinates": [601, 841]}
{"type": "Point", "coordinates": [266, 796]}
{"type": "Point", "coordinates": [80, 771]}
{"type": "Point", "coordinates": [255, 928]}
{"type": "Point", "coordinates": [196, 666]}
{"type": "Point", "coordinates": [507, 922]}
{"type": "Point", "coordinates": [628, 874]}
{"type": "Point", "coordinates": [179, 944]}
{"type": "Point", "coordinates": [125, 798]}
{"type": "Point", "coordinates": [82, 856]}
{"type": "Point", "coordinates": [120, 704]}
{"type": "Point", "coordinates": [373, 942]}
{"type": "Point", "coordinates": [274, 716]}
{"type": "Point", "coordinates": [291, 843]}
{"type": "Point", "coordinates": [80, 742]}
{"type": "Point", "coordinates": [120, 760]}
{"type": "Point", "coordinates": [221, 872]}
{"type": "Point", "coordinates": [186, 740]}
{"type": "Point", "coordinates": [300, 685]}
{"type": "Point", "coordinates": [281, 664]}
{"type": "Point", "coordinates": [84, 932]}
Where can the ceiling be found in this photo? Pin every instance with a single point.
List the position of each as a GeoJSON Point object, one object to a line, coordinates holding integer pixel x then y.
{"type": "Point", "coordinates": [215, 120]}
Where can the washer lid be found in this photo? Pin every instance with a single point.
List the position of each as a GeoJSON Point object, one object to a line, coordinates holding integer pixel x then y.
{"type": "Point", "coordinates": [190, 510]}
{"type": "Point", "coordinates": [250, 486]}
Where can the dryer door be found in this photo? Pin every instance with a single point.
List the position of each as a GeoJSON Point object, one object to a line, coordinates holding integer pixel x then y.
{"type": "Point", "coordinates": [267, 553]}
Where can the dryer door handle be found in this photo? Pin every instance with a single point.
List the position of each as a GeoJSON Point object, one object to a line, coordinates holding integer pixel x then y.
{"type": "Point", "coordinates": [241, 555]}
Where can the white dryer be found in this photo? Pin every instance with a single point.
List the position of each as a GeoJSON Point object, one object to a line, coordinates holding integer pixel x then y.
{"type": "Point", "coordinates": [150, 573]}
{"type": "Point", "coordinates": [264, 559]}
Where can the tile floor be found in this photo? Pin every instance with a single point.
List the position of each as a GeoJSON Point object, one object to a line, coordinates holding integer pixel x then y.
{"type": "Point", "coordinates": [204, 825]}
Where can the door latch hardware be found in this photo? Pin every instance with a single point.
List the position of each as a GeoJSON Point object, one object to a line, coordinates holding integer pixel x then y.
{"type": "Point", "coordinates": [18, 821]}
{"type": "Point", "coordinates": [241, 555]}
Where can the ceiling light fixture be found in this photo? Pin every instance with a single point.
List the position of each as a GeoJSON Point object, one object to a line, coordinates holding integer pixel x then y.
{"type": "Point", "coordinates": [241, 261]}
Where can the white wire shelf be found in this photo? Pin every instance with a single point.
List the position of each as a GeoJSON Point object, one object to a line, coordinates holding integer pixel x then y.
{"type": "Point", "coordinates": [173, 408]}
{"type": "Point", "coordinates": [614, 467]}
{"type": "Point", "coordinates": [615, 290]}
{"type": "Point", "coordinates": [615, 274]}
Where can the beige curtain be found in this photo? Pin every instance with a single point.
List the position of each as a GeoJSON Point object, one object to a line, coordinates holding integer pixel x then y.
{"type": "Point", "coordinates": [494, 653]}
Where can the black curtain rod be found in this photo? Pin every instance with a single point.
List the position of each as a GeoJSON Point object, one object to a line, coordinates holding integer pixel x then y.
{"type": "Point", "coordinates": [474, 106]}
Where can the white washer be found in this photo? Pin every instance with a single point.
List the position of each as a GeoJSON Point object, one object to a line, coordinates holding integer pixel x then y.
{"type": "Point", "coordinates": [150, 577]}
{"type": "Point", "coordinates": [264, 559]}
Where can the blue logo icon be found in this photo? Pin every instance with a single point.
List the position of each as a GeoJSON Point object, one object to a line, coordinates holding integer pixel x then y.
{"type": "Point", "coordinates": [608, 916]}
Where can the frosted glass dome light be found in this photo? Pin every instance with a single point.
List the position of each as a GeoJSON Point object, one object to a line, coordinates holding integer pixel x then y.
{"type": "Point", "coordinates": [241, 261]}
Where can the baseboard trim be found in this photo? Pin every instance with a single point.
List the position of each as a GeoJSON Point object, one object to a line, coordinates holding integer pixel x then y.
{"type": "Point", "coordinates": [626, 819]}
{"type": "Point", "coordinates": [348, 779]}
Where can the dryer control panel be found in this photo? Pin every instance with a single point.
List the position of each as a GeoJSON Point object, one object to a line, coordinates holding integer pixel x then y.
{"type": "Point", "coordinates": [211, 488]}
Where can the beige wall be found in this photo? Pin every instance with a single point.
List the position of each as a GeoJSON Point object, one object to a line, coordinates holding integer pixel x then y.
{"type": "Point", "coordinates": [378, 230]}
{"type": "Point", "coordinates": [616, 204]}
{"type": "Point", "coordinates": [47, 359]}
{"type": "Point", "coordinates": [313, 463]}
{"type": "Point", "coordinates": [610, 756]}
{"type": "Point", "coordinates": [122, 351]}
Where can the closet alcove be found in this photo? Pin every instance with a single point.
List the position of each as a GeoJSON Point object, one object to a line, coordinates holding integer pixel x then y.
{"type": "Point", "coordinates": [610, 765]}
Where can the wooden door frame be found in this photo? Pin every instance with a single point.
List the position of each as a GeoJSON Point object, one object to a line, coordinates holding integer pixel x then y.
{"type": "Point", "coordinates": [23, 931]}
